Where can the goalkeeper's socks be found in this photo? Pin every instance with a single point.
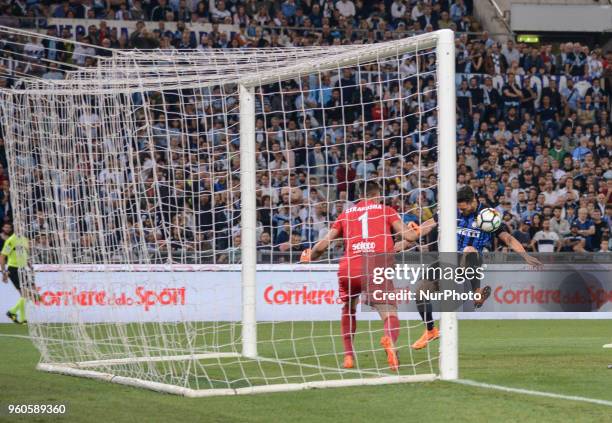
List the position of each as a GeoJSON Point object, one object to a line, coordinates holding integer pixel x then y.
{"type": "Point", "coordinates": [392, 328]}
{"type": "Point", "coordinates": [348, 326]}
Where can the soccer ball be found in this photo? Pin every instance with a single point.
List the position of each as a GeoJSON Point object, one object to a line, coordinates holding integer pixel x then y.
{"type": "Point", "coordinates": [488, 220]}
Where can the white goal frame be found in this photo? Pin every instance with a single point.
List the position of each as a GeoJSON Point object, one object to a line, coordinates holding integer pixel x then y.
{"type": "Point", "coordinates": [444, 44]}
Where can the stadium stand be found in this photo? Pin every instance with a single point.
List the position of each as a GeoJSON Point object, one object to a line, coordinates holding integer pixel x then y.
{"type": "Point", "coordinates": [533, 124]}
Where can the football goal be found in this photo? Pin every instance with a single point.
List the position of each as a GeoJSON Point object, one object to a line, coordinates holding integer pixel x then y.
{"type": "Point", "coordinates": [168, 195]}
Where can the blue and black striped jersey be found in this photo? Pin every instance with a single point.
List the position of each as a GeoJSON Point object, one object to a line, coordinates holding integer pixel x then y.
{"type": "Point", "coordinates": [468, 235]}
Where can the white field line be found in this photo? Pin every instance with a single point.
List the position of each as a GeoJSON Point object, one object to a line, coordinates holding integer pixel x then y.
{"type": "Point", "coordinates": [69, 341]}
{"type": "Point", "coordinates": [10, 335]}
{"type": "Point", "coordinates": [532, 393]}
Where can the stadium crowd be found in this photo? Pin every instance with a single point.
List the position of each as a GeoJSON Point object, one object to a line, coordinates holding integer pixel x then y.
{"type": "Point", "coordinates": [533, 122]}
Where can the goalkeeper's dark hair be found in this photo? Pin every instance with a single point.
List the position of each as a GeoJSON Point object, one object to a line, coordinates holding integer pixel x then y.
{"type": "Point", "coordinates": [371, 189]}
{"type": "Point", "coordinates": [465, 195]}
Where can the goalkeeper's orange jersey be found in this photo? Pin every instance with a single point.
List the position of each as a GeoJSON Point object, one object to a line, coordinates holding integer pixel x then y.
{"type": "Point", "coordinates": [366, 229]}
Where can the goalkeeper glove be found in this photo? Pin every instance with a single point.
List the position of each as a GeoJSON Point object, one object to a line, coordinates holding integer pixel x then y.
{"type": "Point", "coordinates": [305, 257]}
{"type": "Point", "coordinates": [415, 228]}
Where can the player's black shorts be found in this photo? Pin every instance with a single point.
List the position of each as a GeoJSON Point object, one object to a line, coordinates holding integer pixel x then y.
{"type": "Point", "coordinates": [13, 273]}
{"type": "Point", "coordinates": [471, 260]}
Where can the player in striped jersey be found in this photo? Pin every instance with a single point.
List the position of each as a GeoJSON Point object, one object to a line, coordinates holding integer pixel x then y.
{"type": "Point", "coordinates": [471, 241]}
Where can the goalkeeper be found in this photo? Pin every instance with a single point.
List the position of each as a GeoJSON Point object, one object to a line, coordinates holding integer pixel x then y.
{"type": "Point", "coordinates": [367, 228]}
{"type": "Point", "coordinates": [15, 252]}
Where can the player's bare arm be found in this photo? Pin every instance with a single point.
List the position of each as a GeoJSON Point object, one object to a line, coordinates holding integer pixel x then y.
{"type": "Point", "coordinates": [532, 245]}
{"type": "Point", "coordinates": [320, 247]}
{"type": "Point", "coordinates": [5, 277]}
{"type": "Point", "coordinates": [518, 248]}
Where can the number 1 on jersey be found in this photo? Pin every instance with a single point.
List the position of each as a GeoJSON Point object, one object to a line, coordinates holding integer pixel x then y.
{"type": "Point", "coordinates": [364, 225]}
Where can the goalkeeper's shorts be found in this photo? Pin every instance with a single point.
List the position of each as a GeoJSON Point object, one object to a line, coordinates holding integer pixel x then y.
{"type": "Point", "coordinates": [356, 278]}
{"type": "Point", "coordinates": [351, 287]}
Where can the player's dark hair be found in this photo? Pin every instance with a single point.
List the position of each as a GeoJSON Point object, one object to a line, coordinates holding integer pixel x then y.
{"type": "Point", "coordinates": [371, 189]}
{"type": "Point", "coordinates": [465, 195]}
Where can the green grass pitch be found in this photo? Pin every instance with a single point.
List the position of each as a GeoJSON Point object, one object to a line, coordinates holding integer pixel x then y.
{"type": "Point", "coordinates": [558, 356]}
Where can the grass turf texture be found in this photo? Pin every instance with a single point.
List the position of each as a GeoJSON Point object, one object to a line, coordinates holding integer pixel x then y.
{"type": "Point", "coordinates": [563, 357]}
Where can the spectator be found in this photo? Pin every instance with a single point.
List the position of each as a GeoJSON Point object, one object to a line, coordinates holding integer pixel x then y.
{"type": "Point", "coordinates": [522, 234]}
{"type": "Point", "coordinates": [82, 52]}
{"type": "Point", "coordinates": [601, 229]}
{"type": "Point", "coordinates": [288, 8]}
{"type": "Point", "coordinates": [510, 53]}
{"type": "Point", "coordinates": [491, 98]}
{"type": "Point", "coordinates": [586, 228]}
{"type": "Point", "coordinates": [457, 11]}
{"type": "Point", "coordinates": [551, 198]}
{"type": "Point", "coordinates": [546, 240]}
{"type": "Point", "coordinates": [558, 224]}
{"type": "Point", "coordinates": [495, 62]}
{"type": "Point", "coordinates": [398, 10]}
{"type": "Point", "coordinates": [160, 11]}
{"type": "Point", "coordinates": [574, 242]}
{"type": "Point", "coordinates": [536, 224]}
{"type": "Point", "coordinates": [582, 150]}
{"type": "Point", "coordinates": [346, 8]}
{"type": "Point", "coordinates": [136, 12]}
{"type": "Point", "coordinates": [464, 100]}
{"type": "Point", "coordinates": [201, 12]}
{"type": "Point", "coordinates": [7, 231]}
{"type": "Point", "coordinates": [529, 211]}
{"type": "Point", "coordinates": [428, 19]}
{"type": "Point", "coordinates": [598, 94]}
{"type": "Point", "coordinates": [586, 111]}
{"type": "Point", "coordinates": [570, 96]}
{"type": "Point", "coordinates": [601, 204]}
{"type": "Point", "coordinates": [575, 61]}
{"type": "Point", "coordinates": [34, 49]}
{"type": "Point", "coordinates": [552, 92]}
{"type": "Point", "coordinates": [532, 60]}
{"type": "Point", "coordinates": [63, 10]}
{"type": "Point", "coordinates": [512, 93]}
{"type": "Point", "coordinates": [183, 13]}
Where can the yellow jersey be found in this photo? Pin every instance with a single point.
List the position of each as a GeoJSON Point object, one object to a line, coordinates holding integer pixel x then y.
{"type": "Point", "coordinates": [16, 249]}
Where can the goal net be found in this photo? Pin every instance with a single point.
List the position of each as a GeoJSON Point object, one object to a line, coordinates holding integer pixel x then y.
{"type": "Point", "coordinates": [168, 196]}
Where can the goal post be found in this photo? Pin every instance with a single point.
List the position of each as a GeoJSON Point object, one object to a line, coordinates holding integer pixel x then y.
{"type": "Point", "coordinates": [444, 43]}
{"type": "Point", "coordinates": [248, 221]}
{"type": "Point", "coordinates": [149, 184]}
{"type": "Point", "coordinates": [447, 241]}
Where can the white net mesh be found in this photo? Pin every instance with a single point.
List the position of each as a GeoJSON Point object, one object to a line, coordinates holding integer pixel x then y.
{"type": "Point", "coordinates": [126, 178]}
